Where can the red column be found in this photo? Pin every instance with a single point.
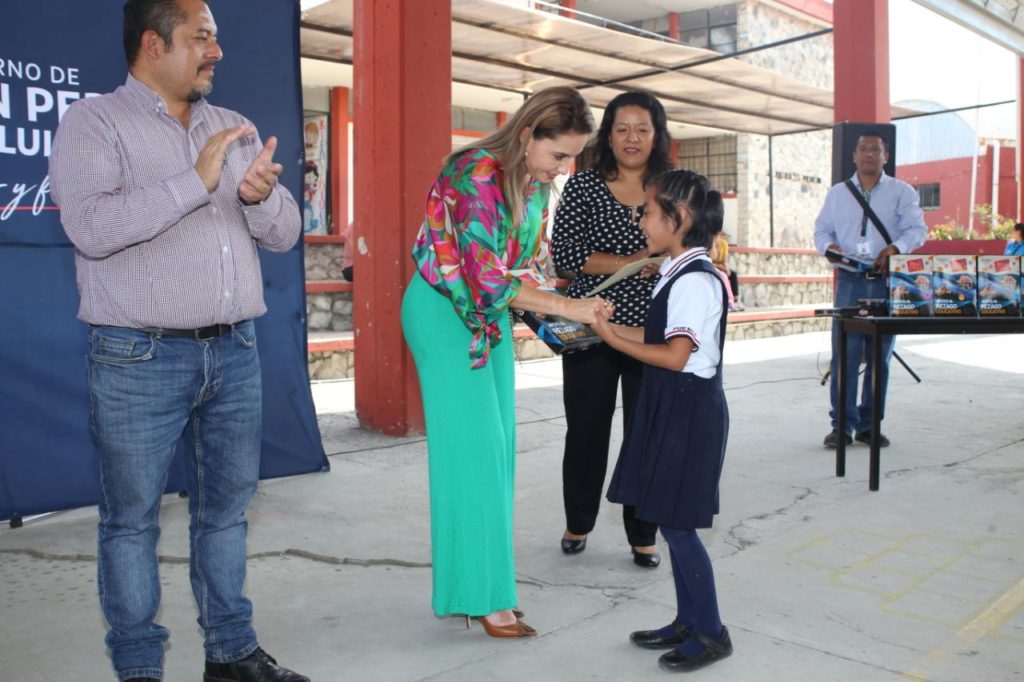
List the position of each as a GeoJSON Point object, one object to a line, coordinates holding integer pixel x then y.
{"type": "Point", "coordinates": [673, 152]}
{"type": "Point", "coordinates": [860, 39]}
{"type": "Point", "coordinates": [403, 123]}
{"type": "Point", "coordinates": [673, 25]}
{"type": "Point", "coordinates": [1019, 167]}
{"type": "Point", "coordinates": [569, 5]}
{"type": "Point", "coordinates": [340, 118]}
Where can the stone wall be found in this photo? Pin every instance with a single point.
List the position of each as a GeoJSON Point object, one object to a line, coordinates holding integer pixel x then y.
{"type": "Point", "coordinates": [768, 328]}
{"type": "Point", "coordinates": [323, 261]}
{"type": "Point", "coordinates": [777, 263]}
{"type": "Point", "coordinates": [802, 162]}
{"type": "Point", "coordinates": [332, 365]}
{"type": "Point", "coordinates": [779, 294]}
{"type": "Point", "coordinates": [329, 312]}
{"type": "Point", "coordinates": [809, 61]}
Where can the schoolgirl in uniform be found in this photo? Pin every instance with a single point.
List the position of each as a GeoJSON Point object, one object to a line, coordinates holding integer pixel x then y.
{"type": "Point", "coordinates": [672, 455]}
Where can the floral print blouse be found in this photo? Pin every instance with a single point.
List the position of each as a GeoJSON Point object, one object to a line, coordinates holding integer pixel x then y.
{"type": "Point", "coordinates": [467, 248]}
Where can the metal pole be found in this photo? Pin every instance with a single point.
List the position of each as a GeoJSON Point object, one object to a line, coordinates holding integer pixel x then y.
{"type": "Point", "coordinates": [771, 194]}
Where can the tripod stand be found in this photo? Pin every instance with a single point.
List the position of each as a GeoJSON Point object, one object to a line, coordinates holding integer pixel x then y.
{"type": "Point", "coordinates": [910, 370]}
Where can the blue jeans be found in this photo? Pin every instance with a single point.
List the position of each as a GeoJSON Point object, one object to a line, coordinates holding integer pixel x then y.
{"type": "Point", "coordinates": [849, 288]}
{"type": "Point", "coordinates": [146, 391]}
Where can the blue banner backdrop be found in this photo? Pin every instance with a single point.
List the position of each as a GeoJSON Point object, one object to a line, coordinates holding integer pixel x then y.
{"type": "Point", "coordinates": [53, 52]}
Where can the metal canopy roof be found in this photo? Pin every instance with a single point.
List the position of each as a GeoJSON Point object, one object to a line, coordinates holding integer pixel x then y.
{"type": "Point", "coordinates": [1001, 21]}
{"type": "Point", "coordinates": [516, 47]}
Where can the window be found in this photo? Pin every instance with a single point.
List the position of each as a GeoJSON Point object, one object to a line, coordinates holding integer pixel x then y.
{"type": "Point", "coordinates": [928, 196]}
{"type": "Point", "coordinates": [713, 28]}
{"type": "Point", "coordinates": [713, 157]}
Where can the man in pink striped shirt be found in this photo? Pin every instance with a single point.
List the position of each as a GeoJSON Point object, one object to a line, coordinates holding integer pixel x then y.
{"type": "Point", "coordinates": [167, 199]}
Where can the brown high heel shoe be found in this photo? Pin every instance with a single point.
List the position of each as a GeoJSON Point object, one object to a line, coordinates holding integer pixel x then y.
{"type": "Point", "coordinates": [516, 629]}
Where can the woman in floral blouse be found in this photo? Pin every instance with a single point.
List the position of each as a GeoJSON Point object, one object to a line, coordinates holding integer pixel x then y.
{"type": "Point", "coordinates": [484, 218]}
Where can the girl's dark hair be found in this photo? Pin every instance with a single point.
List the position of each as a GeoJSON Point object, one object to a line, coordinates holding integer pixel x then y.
{"type": "Point", "coordinates": [684, 187]}
{"type": "Point", "coordinates": [1019, 228]}
{"type": "Point", "coordinates": [603, 158]}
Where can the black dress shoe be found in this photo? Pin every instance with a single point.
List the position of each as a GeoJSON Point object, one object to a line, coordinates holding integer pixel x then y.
{"type": "Point", "coordinates": [659, 639]}
{"type": "Point", "coordinates": [865, 437]}
{"type": "Point", "coordinates": [714, 650]}
{"type": "Point", "coordinates": [646, 560]}
{"type": "Point", "coordinates": [143, 679]}
{"type": "Point", "coordinates": [258, 667]}
{"type": "Point", "coordinates": [574, 546]}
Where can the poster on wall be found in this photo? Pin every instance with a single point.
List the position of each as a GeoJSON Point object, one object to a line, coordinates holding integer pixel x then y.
{"type": "Point", "coordinates": [47, 457]}
{"type": "Point", "coordinates": [314, 189]}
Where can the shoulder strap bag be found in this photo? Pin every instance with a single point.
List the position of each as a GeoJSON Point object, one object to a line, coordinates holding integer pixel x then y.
{"type": "Point", "coordinates": [872, 216]}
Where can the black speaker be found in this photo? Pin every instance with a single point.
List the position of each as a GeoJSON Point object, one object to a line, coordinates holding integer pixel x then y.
{"type": "Point", "coordinates": [844, 142]}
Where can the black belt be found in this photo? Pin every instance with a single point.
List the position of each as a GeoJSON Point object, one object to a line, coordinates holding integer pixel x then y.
{"type": "Point", "coordinates": [200, 334]}
{"type": "Point", "coordinates": [871, 274]}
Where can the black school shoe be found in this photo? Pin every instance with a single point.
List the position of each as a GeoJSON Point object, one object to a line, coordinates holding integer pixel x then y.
{"type": "Point", "coordinates": [257, 667]}
{"type": "Point", "coordinates": [143, 679]}
{"type": "Point", "coordinates": [714, 650]}
{"type": "Point", "coordinates": [660, 639]}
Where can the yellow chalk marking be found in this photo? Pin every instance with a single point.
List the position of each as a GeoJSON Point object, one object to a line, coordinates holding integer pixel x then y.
{"type": "Point", "coordinates": [985, 622]}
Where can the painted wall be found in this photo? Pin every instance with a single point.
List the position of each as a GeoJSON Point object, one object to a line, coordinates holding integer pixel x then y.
{"type": "Point", "coordinates": [954, 178]}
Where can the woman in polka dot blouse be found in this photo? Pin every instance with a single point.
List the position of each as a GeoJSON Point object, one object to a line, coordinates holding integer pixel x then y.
{"type": "Point", "coordinates": [596, 232]}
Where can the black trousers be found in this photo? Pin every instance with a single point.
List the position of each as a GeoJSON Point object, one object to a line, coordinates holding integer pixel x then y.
{"type": "Point", "coordinates": [590, 385]}
{"type": "Point", "coordinates": [734, 282]}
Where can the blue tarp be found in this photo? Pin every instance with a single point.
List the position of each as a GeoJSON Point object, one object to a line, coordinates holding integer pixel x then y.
{"type": "Point", "coordinates": [51, 53]}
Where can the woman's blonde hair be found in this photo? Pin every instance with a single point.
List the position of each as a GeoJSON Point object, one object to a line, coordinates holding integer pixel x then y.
{"type": "Point", "coordinates": [546, 114]}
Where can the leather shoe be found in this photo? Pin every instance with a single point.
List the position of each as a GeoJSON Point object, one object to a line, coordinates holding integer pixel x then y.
{"type": "Point", "coordinates": [832, 439]}
{"type": "Point", "coordinates": [574, 546]}
{"type": "Point", "coordinates": [674, 661]}
{"type": "Point", "coordinates": [646, 560]}
{"type": "Point", "coordinates": [257, 667]}
{"type": "Point", "coordinates": [143, 679]}
{"type": "Point", "coordinates": [865, 437]}
{"type": "Point", "coordinates": [664, 638]}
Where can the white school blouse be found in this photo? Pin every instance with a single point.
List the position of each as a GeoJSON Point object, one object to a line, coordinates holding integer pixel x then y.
{"type": "Point", "coordinates": [694, 310]}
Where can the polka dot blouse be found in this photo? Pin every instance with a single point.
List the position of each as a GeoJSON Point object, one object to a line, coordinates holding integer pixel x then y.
{"type": "Point", "coordinates": [590, 219]}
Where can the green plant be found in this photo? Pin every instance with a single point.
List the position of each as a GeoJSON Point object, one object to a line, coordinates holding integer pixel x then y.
{"type": "Point", "coordinates": [984, 228]}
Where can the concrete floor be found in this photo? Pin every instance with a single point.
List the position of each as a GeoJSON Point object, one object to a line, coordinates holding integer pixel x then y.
{"type": "Point", "coordinates": [818, 578]}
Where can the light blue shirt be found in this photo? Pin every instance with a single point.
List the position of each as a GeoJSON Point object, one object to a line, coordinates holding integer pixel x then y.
{"type": "Point", "coordinates": [893, 201]}
{"type": "Point", "coordinates": [1014, 249]}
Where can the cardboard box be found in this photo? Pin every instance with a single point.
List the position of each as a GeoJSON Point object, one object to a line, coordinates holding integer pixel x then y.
{"type": "Point", "coordinates": [910, 285]}
{"type": "Point", "coordinates": [999, 286]}
{"type": "Point", "coordinates": [954, 286]}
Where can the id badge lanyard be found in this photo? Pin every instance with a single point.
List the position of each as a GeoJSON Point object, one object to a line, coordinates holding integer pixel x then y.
{"type": "Point", "coordinates": [863, 247]}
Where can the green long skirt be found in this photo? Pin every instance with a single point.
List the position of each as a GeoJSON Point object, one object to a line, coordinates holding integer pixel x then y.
{"type": "Point", "coordinates": [471, 446]}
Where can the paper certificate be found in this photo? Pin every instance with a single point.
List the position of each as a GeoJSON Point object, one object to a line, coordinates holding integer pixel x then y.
{"type": "Point", "coordinates": [624, 272]}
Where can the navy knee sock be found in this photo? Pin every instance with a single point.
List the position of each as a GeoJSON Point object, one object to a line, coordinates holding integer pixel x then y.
{"type": "Point", "coordinates": [696, 600]}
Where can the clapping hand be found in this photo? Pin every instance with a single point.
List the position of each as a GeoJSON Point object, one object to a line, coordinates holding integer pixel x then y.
{"type": "Point", "coordinates": [211, 158]}
{"type": "Point", "coordinates": [261, 176]}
